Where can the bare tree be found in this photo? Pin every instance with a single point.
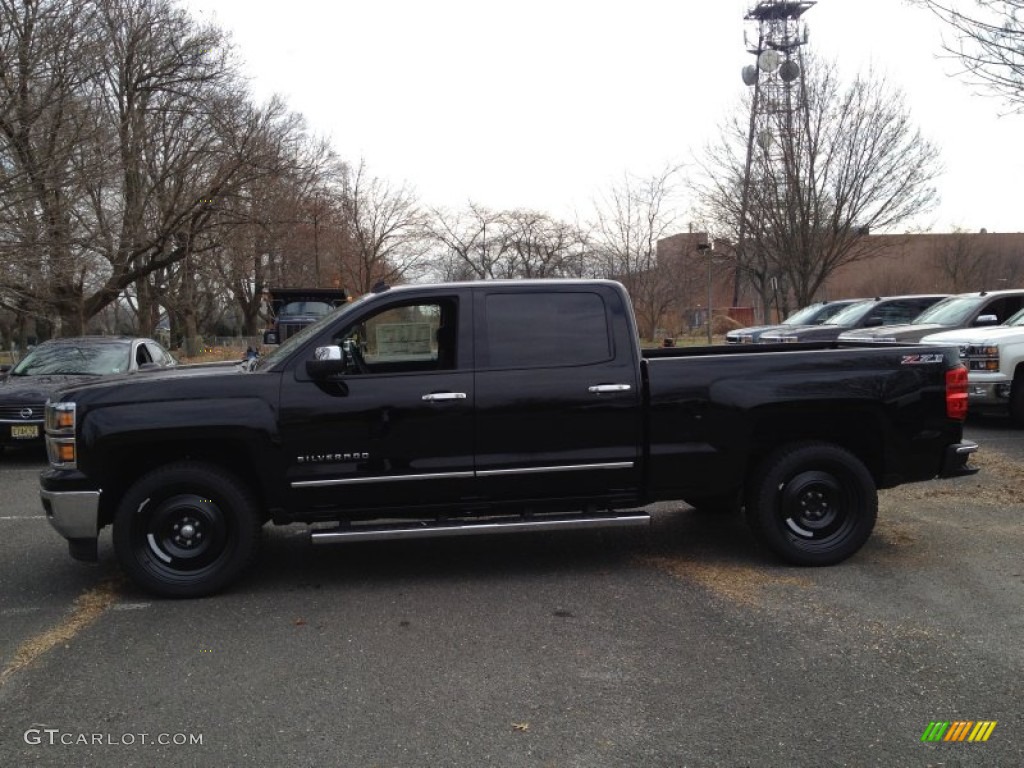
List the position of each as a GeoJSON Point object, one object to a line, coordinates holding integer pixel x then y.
{"type": "Point", "coordinates": [987, 38]}
{"type": "Point", "coordinates": [460, 239]}
{"type": "Point", "coordinates": [44, 125]}
{"type": "Point", "coordinates": [481, 244]}
{"type": "Point", "coordinates": [630, 220]}
{"type": "Point", "coordinates": [855, 163]}
{"type": "Point", "coordinates": [123, 134]}
{"type": "Point", "coordinates": [388, 230]}
{"type": "Point", "coordinates": [959, 262]}
{"type": "Point", "coordinates": [284, 226]}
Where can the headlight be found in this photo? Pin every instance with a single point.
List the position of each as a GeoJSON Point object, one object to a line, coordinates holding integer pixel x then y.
{"type": "Point", "coordinates": [60, 435]}
{"type": "Point", "coordinates": [982, 357]}
{"type": "Point", "coordinates": [60, 418]}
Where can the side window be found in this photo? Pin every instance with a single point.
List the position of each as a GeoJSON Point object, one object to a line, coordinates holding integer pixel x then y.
{"type": "Point", "coordinates": [403, 338]}
{"type": "Point", "coordinates": [545, 329]}
{"type": "Point", "coordinates": [1003, 307]}
{"type": "Point", "coordinates": [142, 355]}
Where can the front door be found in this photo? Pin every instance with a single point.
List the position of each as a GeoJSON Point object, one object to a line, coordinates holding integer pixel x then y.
{"type": "Point", "coordinates": [394, 430]}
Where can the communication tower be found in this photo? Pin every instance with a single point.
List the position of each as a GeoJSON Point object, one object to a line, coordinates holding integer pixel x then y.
{"type": "Point", "coordinates": [775, 35]}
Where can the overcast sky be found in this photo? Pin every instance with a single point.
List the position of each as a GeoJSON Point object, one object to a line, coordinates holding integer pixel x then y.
{"type": "Point", "coordinates": [544, 103]}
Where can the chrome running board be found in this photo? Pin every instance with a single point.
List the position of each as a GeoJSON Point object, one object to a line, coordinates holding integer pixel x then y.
{"type": "Point", "coordinates": [427, 530]}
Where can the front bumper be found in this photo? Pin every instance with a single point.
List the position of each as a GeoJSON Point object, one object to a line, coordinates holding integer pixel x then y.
{"type": "Point", "coordinates": [75, 514]}
{"type": "Point", "coordinates": [954, 463]}
{"type": "Point", "coordinates": [988, 392]}
{"type": "Point", "coordinates": [73, 509]}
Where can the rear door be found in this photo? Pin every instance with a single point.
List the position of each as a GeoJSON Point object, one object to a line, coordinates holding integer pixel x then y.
{"type": "Point", "coordinates": [557, 394]}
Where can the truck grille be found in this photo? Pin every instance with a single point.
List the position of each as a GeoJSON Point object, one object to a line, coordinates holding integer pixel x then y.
{"type": "Point", "coordinates": [27, 412]}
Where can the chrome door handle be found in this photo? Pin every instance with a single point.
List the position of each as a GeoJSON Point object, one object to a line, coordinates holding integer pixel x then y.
{"type": "Point", "coordinates": [597, 389]}
{"type": "Point", "coordinates": [438, 396]}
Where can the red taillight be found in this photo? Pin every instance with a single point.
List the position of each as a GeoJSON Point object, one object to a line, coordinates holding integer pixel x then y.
{"type": "Point", "coordinates": [956, 393]}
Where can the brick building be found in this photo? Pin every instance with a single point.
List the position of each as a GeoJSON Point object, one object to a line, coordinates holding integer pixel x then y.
{"type": "Point", "coordinates": [912, 263]}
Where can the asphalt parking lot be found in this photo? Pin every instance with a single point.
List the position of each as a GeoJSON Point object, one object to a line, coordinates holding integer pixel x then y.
{"type": "Point", "coordinates": [682, 646]}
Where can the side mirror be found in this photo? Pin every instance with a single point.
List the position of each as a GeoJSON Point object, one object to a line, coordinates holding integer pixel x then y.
{"type": "Point", "coordinates": [327, 361]}
{"type": "Point", "coordinates": [270, 337]}
{"type": "Point", "coordinates": [986, 320]}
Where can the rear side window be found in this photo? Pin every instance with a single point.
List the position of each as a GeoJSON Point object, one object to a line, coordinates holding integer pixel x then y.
{"type": "Point", "coordinates": [538, 330]}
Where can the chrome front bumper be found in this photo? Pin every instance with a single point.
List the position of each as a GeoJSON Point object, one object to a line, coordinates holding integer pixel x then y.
{"type": "Point", "coordinates": [74, 514]}
{"type": "Point", "coordinates": [989, 393]}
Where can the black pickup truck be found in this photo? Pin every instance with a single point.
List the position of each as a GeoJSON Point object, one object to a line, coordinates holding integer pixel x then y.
{"type": "Point", "coordinates": [492, 407]}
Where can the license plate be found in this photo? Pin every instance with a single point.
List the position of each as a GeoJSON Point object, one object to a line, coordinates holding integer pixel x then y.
{"type": "Point", "coordinates": [24, 431]}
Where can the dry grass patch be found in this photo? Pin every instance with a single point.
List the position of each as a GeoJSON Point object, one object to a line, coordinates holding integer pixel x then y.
{"type": "Point", "coordinates": [737, 582]}
{"type": "Point", "coordinates": [89, 606]}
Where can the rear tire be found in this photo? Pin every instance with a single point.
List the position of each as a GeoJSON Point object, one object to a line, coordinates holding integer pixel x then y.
{"type": "Point", "coordinates": [812, 503]}
{"type": "Point", "coordinates": [186, 530]}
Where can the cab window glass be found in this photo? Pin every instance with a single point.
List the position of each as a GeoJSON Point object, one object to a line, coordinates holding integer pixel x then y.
{"type": "Point", "coordinates": [1002, 308]}
{"type": "Point", "coordinates": [527, 330]}
{"type": "Point", "coordinates": [408, 337]}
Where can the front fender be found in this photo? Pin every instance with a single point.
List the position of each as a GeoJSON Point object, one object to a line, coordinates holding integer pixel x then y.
{"type": "Point", "coordinates": [199, 419]}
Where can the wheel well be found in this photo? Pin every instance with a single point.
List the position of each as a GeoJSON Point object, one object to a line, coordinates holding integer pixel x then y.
{"type": "Point", "coordinates": [1018, 372]}
{"type": "Point", "coordinates": [858, 430]}
{"type": "Point", "coordinates": [125, 465]}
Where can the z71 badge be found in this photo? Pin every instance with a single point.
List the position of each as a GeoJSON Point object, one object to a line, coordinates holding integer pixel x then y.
{"type": "Point", "coordinates": [323, 458]}
{"type": "Point", "coordinates": [921, 359]}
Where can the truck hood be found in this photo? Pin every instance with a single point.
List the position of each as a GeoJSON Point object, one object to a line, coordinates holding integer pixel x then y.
{"type": "Point", "coordinates": [165, 383]}
{"type": "Point", "coordinates": [752, 329]}
{"type": "Point", "coordinates": [993, 334]}
{"type": "Point", "coordinates": [806, 333]}
{"type": "Point", "coordinates": [892, 333]}
{"type": "Point", "coordinates": [757, 331]}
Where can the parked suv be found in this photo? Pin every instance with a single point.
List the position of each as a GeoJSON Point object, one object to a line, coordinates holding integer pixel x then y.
{"type": "Point", "coordinates": [813, 314]}
{"type": "Point", "coordinates": [869, 313]}
{"type": "Point", "coordinates": [965, 310]}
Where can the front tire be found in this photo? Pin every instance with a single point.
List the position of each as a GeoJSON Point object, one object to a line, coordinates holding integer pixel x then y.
{"type": "Point", "coordinates": [1017, 400]}
{"type": "Point", "coordinates": [813, 504]}
{"type": "Point", "coordinates": [186, 530]}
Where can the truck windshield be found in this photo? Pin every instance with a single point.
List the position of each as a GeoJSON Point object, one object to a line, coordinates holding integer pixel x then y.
{"type": "Point", "coordinates": [816, 313]}
{"type": "Point", "coordinates": [1016, 319]}
{"type": "Point", "coordinates": [803, 316]}
{"type": "Point", "coordinates": [852, 314]}
{"type": "Point", "coordinates": [952, 311]}
{"type": "Point", "coordinates": [305, 309]}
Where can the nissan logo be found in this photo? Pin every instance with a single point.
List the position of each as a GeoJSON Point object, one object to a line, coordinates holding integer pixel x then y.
{"type": "Point", "coordinates": [26, 413]}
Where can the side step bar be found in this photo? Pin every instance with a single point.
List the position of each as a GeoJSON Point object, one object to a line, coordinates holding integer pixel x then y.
{"type": "Point", "coordinates": [426, 530]}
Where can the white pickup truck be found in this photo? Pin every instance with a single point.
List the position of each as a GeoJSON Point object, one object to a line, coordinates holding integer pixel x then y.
{"type": "Point", "coordinates": [994, 356]}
